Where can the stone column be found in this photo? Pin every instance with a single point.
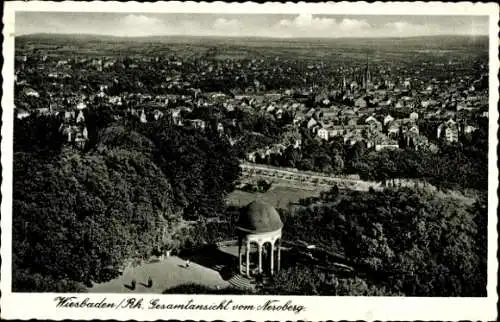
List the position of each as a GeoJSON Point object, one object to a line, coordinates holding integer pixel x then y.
{"type": "Point", "coordinates": [279, 254]}
{"type": "Point", "coordinates": [239, 256]}
{"type": "Point", "coordinates": [260, 257]}
{"type": "Point", "coordinates": [272, 257]}
{"type": "Point", "coordinates": [248, 258]}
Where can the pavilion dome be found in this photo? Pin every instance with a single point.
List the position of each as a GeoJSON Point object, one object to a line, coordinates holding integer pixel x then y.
{"type": "Point", "coordinates": [259, 217]}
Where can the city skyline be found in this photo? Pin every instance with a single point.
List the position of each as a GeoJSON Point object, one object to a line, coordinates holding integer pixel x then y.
{"type": "Point", "coordinates": [248, 25]}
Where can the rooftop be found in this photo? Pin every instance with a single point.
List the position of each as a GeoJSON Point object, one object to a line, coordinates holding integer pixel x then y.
{"type": "Point", "coordinates": [259, 217]}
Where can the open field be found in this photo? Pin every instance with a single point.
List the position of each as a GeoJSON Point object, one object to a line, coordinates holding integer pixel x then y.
{"type": "Point", "coordinates": [279, 197]}
{"type": "Point", "coordinates": [336, 50]}
{"type": "Point", "coordinates": [165, 274]}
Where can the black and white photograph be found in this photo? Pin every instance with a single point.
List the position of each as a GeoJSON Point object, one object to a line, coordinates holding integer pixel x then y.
{"type": "Point", "coordinates": [329, 155]}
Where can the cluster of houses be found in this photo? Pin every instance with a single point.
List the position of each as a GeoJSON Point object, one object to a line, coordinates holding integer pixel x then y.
{"type": "Point", "coordinates": [353, 103]}
{"type": "Point", "coordinates": [351, 123]}
{"type": "Point", "coordinates": [291, 138]}
{"type": "Point", "coordinates": [451, 129]}
{"type": "Point", "coordinates": [73, 126]}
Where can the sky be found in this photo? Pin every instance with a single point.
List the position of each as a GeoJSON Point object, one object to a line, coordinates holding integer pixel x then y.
{"type": "Point", "coordinates": [247, 25]}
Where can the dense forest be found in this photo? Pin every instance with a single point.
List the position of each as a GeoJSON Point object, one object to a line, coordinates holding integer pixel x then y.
{"type": "Point", "coordinates": [78, 216]}
{"type": "Point", "coordinates": [463, 165]}
{"type": "Point", "coordinates": [407, 241]}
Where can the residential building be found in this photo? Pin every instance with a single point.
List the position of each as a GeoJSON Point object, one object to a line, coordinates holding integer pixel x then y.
{"type": "Point", "coordinates": [448, 130]}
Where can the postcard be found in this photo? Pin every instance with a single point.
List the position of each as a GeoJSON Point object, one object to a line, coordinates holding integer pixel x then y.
{"type": "Point", "coordinates": [244, 161]}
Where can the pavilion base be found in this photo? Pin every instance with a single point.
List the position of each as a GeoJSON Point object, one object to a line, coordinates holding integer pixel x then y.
{"type": "Point", "coordinates": [242, 282]}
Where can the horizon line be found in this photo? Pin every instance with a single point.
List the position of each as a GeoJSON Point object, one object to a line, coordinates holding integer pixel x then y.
{"type": "Point", "coordinates": [245, 36]}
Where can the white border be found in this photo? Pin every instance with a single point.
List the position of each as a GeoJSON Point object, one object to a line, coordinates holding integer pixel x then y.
{"type": "Point", "coordinates": [42, 306]}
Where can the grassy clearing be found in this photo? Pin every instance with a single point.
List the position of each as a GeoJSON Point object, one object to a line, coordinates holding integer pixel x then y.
{"type": "Point", "coordinates": [279, 197]}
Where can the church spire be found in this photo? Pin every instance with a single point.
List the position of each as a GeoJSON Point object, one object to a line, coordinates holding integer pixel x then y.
{"type": "Point", "coordinates": [366, 74]}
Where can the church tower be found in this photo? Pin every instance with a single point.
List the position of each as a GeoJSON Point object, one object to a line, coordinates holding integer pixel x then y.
{"type": "Point", "coordinates": [366, 77]}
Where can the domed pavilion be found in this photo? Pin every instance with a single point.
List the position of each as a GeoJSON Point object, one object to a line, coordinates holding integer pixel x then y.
{"type": "Point", "coordinates": [259, 239]}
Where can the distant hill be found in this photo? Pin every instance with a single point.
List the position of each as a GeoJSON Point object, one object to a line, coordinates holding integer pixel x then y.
{"type": "Point", "coordinates": [306, 48]}
{"type": "Point", "coordinates": [441, 39]}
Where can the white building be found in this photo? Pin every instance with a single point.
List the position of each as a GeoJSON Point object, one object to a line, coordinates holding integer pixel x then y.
{"type": "Point", "coordinates": [469, 129]}
{"type": "Point", "coordinates": [80, 118]}
{"type": "Point", "coordinates": [388, 119]}
{"type": "Point", "coordinates": [323, 133]}
{"type": "Point", "coordinates": [312, 122]}
{"type": "Point", "coordinates": [448, 130]}
{"type": "Point", "coordinates": [81, 106]}
{"type": "Point", "coordinates": [143, 117]}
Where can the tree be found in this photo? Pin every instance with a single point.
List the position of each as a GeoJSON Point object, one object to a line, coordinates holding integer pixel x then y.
{"type": "Point", "coordinates": [78, 215]}
{"type": "Point", "coordinates": [306, 164]}
{"type": "Point", "coordinates": [200, 166]}
{"type": "Point", "coordinates": [38, 134]}
{"type": "Point", "coordinates": [301, 279]}
{"type": "Point", "coordinates": [404, 241]}
{"type": "Point", "coordinates": [338, 164]}
{"type": "Point", "coordinates": [323, 163]}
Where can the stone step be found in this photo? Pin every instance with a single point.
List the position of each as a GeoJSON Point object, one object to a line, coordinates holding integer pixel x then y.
{"type": "Point", "coordinates": [241, 282]}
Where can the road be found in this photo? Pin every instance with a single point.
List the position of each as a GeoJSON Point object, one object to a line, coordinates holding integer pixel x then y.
{"type": "Point", "coordinates": [299, 178]}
